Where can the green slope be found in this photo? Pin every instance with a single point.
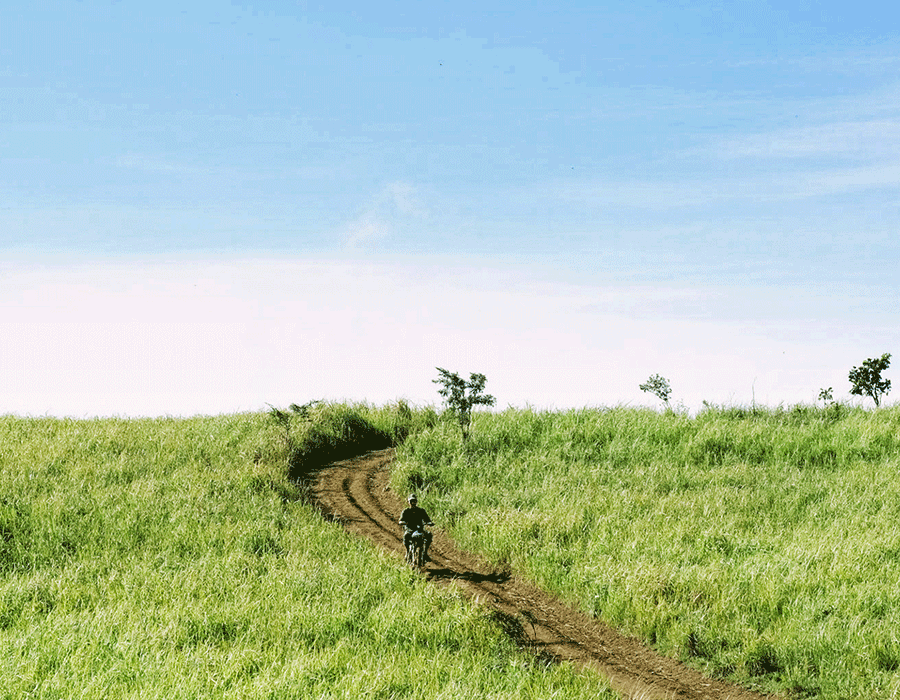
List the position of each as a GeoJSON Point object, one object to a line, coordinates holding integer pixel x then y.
{"type": "Point", "coordinates": [759, 545]}
{"type": "Point", "coordinates": [176, 559]}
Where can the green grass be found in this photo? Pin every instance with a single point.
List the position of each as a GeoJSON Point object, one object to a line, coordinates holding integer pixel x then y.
{"type": "Point", "coordinates": [176, 558]}
{"type": "Point", "coordinates": [759, 545]}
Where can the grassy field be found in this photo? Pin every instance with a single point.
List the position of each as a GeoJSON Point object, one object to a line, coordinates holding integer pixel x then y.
{"type": "Point", "coordinates": [759, 545]}
{"type": "Point", "coordinates": [178, 559]}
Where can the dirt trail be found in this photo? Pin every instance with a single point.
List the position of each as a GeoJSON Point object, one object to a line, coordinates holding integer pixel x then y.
{"type": "Point", "coordinates": [355, 493]}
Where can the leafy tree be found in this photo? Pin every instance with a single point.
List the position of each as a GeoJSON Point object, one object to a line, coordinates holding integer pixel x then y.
{"type": "Point", "coordinates": [826, 395]}
{"type": "Point", "coordinates": [462, 396]}
{"type": "Point", "coordinates": [867, 381]}
{"type": "Point", "coordinates": [659, 387]}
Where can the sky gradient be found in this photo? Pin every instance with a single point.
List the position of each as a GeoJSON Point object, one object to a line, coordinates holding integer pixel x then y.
{"type": "Point", "coordinates": [209, 208]}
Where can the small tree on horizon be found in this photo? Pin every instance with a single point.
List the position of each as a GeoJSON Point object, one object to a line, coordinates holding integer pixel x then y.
{"type": "Point", "coordinates": [659, 387]}
{"type": "Point", "coordinates": [462, 396]}
{"type": "Point", "coordinates": [866, 379]}
{"type": "Point", "coordinates": [826, 396]}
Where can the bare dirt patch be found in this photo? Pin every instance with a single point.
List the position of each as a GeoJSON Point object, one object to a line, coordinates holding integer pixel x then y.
{"type": "Point", "coordinates": [355, 492]}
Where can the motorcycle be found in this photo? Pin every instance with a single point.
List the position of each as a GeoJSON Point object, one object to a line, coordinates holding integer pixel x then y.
{"type": "Point", "coordinates": [415, 550]}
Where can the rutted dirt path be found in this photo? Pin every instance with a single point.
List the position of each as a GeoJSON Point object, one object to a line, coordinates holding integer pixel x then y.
{"type": "Point", "coordinates": [355, 492]}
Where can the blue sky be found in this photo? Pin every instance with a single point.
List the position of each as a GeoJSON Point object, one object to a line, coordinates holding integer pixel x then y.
{"type": "Point", "coordinates": [206, 207]}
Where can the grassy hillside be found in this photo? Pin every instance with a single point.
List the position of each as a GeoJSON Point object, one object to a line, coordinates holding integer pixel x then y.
{"type": "Point", "coordinates": [177, 559]}
{"type": "Point", "coordinates": [760, 545]}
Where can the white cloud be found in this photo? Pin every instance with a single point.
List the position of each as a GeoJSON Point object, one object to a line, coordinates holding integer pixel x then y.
{"type": "Point", "coordinates": [687, 192]}
{"type": "Point", "coordinates": [395, 204]}
{"type": "Point", "coordinates": [840, 145]}
{"type": "Point", "coordinates": [876, 139]}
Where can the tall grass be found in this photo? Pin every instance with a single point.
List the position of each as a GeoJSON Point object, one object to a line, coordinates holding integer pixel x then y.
{"type": "Point", "coordinates": [314, 435]}
{"type": "Point", "coordinates": [177, 559]}
{"type": "Point", "coordinates": [760, 545]}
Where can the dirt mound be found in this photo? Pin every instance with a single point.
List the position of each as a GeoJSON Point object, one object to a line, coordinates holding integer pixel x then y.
{"type": "Point", "coordinates": [355, 492]}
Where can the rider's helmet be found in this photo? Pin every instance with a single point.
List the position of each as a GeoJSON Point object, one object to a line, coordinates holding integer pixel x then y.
{"type": "Point", "coordinates": [412, 498]}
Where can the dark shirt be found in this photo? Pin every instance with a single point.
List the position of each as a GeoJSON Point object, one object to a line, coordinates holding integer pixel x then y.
{"type": "Point", "coordinates": [414, 517]}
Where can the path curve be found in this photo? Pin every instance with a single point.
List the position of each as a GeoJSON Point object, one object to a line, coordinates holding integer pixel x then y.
{"type": "Point", "coordinates": [355, 492]}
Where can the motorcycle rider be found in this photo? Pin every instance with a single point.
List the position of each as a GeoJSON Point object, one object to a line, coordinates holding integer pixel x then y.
{"type": "Point", "coordinates": [412, 518]}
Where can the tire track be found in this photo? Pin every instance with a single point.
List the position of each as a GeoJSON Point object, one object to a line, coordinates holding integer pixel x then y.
{"type": "Point", "coordinates": [355, 492]}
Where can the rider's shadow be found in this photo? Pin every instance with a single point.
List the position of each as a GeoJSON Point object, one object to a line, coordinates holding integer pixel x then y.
{"type": "Point", "coordinates": [472, 576]}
